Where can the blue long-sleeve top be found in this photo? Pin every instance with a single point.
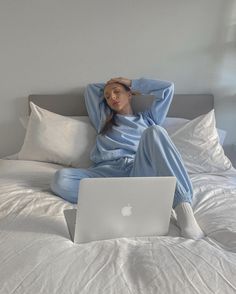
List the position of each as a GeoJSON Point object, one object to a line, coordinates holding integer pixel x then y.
{"type": "Point", "coordinates": [123, 138]}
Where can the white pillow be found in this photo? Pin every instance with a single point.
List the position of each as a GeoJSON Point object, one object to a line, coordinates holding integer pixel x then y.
{"type": "Point", "coordinates": [51, 137]}
{"type": "Point", "coordinates": [172, 124]}
{"type": "Point", "coordinates": [24, 120]}
{"type": "Point", "coordinates": [198, 144]}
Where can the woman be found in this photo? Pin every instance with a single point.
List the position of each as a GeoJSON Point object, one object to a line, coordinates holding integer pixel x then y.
{"type": "Point", "coordinates": [130, 144]}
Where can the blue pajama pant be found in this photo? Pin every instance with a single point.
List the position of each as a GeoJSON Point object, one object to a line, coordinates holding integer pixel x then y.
{"type": "Point", "coordinates": [156, 156]}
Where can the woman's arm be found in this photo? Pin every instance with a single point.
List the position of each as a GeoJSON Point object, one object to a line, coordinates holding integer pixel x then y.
{"type": "Point", "coordinates": [96, 107]}
{"type": "Point", "coordinates": [163, 92]}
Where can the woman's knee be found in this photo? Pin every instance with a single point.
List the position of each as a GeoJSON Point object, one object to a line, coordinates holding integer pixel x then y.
{"type": "Point", "coordinates": [154, 131]}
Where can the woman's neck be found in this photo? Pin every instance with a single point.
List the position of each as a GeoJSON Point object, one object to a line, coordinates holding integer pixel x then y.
{"type": "Point", "coordinates": [126, 111]}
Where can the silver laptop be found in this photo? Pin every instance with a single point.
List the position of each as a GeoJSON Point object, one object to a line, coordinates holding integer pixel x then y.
{"type": "Point", "coordinates": [111, 208]}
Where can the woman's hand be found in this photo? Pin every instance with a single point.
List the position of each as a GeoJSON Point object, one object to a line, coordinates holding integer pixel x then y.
{"type": "Point", "coordinates": [121, 80]}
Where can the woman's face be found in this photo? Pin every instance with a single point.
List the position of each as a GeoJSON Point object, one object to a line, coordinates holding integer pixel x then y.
{"type": "Point", "coordinates": [117, 98]}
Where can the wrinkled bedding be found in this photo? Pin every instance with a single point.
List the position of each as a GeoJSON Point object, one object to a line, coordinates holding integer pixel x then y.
{"type": "Point", "coordinates": [37, 255]}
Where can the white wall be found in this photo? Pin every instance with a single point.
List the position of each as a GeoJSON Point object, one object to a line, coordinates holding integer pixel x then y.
{"type": "Point", "coordinates": [224, 78]}
{"type": "Point", "coordinates": [58, 46]}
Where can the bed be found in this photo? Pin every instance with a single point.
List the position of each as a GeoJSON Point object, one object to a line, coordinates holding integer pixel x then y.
{"type": "Point", "coordinates": [37, 255]}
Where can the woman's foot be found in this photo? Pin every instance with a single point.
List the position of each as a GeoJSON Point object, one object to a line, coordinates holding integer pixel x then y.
{"type": "Point", "coordinates": [187, 222]}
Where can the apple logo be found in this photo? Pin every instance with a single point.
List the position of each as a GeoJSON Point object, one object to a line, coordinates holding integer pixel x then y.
{"type": "Point", "coordinates": [126, 210]}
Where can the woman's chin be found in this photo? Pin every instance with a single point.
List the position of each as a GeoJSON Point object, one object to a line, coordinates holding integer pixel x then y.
{"type": "Point", "coordinates": [117, 109]}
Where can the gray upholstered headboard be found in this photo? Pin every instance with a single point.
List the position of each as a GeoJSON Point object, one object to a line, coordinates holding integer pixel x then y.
{"type": "Point", "coordinates": [186, 106]}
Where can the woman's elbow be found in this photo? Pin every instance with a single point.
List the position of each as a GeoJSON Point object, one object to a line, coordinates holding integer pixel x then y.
{"type": "Point", "coordinates": [172, 86]}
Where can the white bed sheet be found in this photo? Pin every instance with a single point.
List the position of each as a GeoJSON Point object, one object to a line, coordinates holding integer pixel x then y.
{"type": "Point", "coordinates": [37, 255]}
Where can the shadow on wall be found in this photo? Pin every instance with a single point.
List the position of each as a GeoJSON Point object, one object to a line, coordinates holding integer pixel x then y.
{"type": "Point", "coordinates": [11, 132]}
{"type": "Point", "coordinates": [13, 142]}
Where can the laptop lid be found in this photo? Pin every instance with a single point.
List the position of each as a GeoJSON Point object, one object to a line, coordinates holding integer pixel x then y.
{"type": "Point", "coordinates": [123, 207]}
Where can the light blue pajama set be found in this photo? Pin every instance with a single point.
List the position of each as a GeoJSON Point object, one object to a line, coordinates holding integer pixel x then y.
{"type": "Point", "coordinates": [136, 146]}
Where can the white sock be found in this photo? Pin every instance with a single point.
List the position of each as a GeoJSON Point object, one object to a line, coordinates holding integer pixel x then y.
{"type": "Point", "coordinates": [187, 222]}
